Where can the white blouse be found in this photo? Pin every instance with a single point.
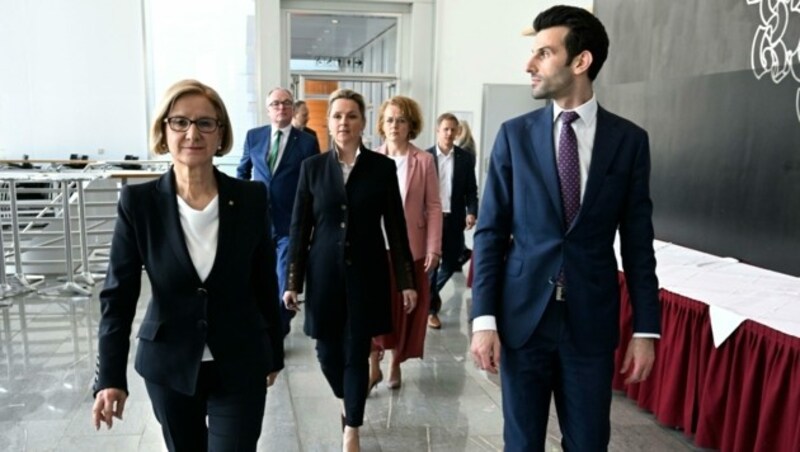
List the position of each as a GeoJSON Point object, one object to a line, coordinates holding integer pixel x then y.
{"type": "Point", "coordinates": [201, 231]}
{"type": "Point", "coordinates": [402, 173]}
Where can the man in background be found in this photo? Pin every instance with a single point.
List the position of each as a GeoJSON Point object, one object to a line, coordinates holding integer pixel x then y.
{"type": "Point", "coordinates": [300, 118]}
{"type": "Point", "coordinates": [459, 192]}
{"type": "Point", "coordinates": [272, 155]}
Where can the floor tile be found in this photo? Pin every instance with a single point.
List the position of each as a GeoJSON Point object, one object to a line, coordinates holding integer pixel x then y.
{"type": "Point", "coordinates": [47, 355]}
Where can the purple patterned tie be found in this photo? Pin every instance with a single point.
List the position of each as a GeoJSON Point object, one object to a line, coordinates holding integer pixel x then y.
{"type": "Point", "coordinates": [569, 172]}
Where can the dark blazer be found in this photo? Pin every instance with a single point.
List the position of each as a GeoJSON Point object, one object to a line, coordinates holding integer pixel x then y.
{"type": "Point", "coordinates": [463, 202]}
{"type": "Point", "coordinates": [514, 279]}
{"type": "Point", "coordinates": [234, 311]}
{"type": "Point", "coordinates": [282, 185]}
{"type": "Point", "coordinates": [337, 244]}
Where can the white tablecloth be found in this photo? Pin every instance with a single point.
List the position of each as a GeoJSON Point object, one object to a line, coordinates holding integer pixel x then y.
{"type": "Point", "coordinates": [734, 291]}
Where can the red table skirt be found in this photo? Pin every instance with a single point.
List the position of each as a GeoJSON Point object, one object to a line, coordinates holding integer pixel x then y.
{"type": "Point", "coordinates": [743, 396]}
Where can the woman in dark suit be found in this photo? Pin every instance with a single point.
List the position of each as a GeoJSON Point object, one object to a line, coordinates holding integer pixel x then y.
{"type": "Point", "coordinates": [337, 246]}
{"type": "Point", "coordinates": [210, 343]}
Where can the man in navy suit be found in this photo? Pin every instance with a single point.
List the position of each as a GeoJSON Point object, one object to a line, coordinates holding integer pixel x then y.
{"type": "Point", "coordinates": [273, 154]}
{"type": "Point", "coordinates": [459, 192]}
{"type": "Point", "coordinates": [562, 181]}
{"type": "Point", "coordinates": [300, 118]}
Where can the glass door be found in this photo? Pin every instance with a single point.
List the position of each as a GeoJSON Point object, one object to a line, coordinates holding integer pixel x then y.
{"type": "Point", "coordinates": [315, 91]}
{"type": "Point", "coordinates": [329, 51]}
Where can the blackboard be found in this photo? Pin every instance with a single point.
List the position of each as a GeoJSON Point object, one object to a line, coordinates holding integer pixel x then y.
{"type": "Point", "coordinates": [716, 83]}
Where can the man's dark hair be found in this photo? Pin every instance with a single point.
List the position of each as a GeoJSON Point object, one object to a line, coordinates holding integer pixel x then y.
{"type": "Point", "coordinates": [586, 32]}
{"type": "Point", "coordinates": [446, 117]}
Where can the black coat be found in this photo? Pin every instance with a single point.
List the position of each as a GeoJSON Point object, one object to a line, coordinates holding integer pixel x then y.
{"type": "Point", "coordinates": [337, 245]}
{"type": "Point", "coordinates": [463, 201]}
{"type": "Point", "coordinates": [234, 311]}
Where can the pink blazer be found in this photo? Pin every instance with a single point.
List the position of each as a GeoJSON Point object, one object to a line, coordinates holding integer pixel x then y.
{"type": "Point", "coordinates": [423, 207]}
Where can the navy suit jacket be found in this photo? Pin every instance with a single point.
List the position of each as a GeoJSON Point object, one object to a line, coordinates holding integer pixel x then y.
{"type": "Point", "coordinates": [521, 242]}
{"type": "Point", "coordinates": [463, 201]}
{"type": "Point", "coordinates": [234, 311]}
{"type": "Point", "coordinates": [281, 186]}
{"type": "Point", "coordinates": [310, 131]}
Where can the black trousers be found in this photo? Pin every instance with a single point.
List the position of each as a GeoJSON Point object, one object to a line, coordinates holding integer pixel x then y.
{"type": "Point", "coordinates": [452, 247]}
{"type": "Point", "coordinates": [234, 417]}
{"type": "Point", "coordinates": [345, 364]}
{"type": "Point", "coordinates": [438, 278]}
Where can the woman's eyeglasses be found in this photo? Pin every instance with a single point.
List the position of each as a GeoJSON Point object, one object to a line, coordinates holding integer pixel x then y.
{"type": "Point", "coordinates": [182, 124]}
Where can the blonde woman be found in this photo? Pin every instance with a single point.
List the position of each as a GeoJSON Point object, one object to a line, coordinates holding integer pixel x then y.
{"type": "Point", "coordinates": [210, 343]}
{"type": "Point", "coordinates": [464, 139]}
{"type": "Point", "coordinates": [337, 247]}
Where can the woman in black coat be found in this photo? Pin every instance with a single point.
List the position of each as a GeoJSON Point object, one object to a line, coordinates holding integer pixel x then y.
{"type": "Point", "coordinates": [337, 247]}
{"type": "Point", "coordinates": [211, 340]}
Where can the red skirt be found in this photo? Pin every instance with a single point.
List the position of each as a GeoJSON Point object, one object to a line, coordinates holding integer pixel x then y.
{"type": "Point", "coordinates": [471, 271]}
{"type": "Point", "coordinates": [407, 339]}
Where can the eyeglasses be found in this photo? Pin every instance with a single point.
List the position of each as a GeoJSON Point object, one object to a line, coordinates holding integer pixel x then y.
{"type": "Point", "coordinates": [400, 120]}
{"type": "Point", "coordinates": [276, 103]}
{"type": "Point", "coordinates": [182, 124]}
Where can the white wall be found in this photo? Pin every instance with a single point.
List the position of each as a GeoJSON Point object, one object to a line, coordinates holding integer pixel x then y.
{"type": "Point", "coordinates": [72, 79]}
{"type": "Point", "coordinates": [478, 44]}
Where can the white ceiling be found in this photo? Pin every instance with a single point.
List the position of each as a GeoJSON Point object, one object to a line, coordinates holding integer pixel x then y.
{"type": "Point", "coordinates": [322, 35]}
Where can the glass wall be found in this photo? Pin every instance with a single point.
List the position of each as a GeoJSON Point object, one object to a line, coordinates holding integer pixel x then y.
{"type": "Point", "coordinates": [342, 43]}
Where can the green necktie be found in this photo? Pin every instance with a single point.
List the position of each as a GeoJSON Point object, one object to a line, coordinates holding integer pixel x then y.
{"type": "Point", "coordinates": [273, 152]}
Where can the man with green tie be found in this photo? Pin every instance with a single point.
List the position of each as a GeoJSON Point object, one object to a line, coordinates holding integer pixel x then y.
{"type": "Point", "coordinates": [272, 155]}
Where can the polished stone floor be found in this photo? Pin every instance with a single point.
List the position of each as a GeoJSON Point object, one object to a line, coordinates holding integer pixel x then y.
{"type": "Point", "coordinates": [47, 350]}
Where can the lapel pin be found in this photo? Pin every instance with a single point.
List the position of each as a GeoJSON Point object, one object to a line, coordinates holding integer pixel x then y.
{"type": "Point", "coordinates": [230, 203]}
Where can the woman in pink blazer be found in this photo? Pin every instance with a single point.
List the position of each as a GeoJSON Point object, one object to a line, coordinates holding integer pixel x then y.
{"type": "Point", "coordinates": [399, 122]}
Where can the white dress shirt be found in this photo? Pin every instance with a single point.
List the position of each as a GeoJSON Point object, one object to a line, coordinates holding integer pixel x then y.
{"type": "Point", "coordinates": [347, 168]}
{"type": "Point", "coordinates": [445, 162]}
